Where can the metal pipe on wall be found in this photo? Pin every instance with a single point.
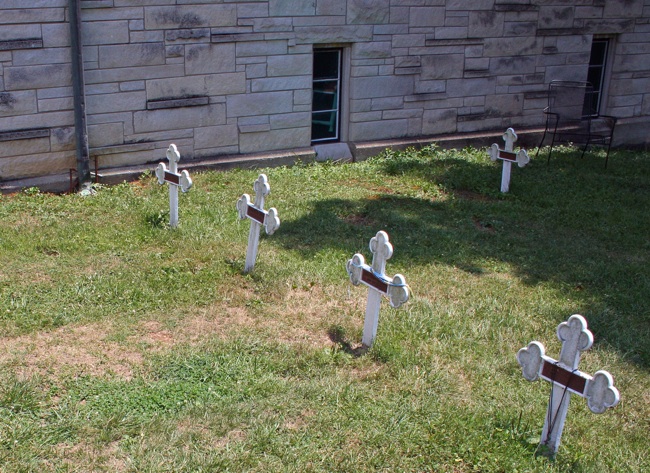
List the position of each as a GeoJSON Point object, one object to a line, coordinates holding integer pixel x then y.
{"type": "Point", "coordinates": [81, 130]}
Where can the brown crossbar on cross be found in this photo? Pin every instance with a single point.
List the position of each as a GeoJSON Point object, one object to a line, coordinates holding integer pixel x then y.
{"type": "Point", "coordinates": [575, 381]}
{"type": "Point", "coordinates": [255, 214]}
{"type": "Point", "coordinates": [172, 178]}
{"type": "Point", "coordinates": [376, 282]}
{"type": "Point", "coordinates": [507, 155]}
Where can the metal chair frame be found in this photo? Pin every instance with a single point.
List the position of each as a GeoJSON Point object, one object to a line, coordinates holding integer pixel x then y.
{"type": "Point", "coordinates": [571, 117]}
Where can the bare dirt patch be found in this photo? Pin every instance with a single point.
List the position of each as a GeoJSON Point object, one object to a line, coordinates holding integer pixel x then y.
{"type": "Point", "coordinates": [71, 350]}
{"type": "Point", "coordinates": [301, 317]}
{"type": "Point", "coordinates": [154, 334]}
{"type": "Point", "coordinates": [215, 321]}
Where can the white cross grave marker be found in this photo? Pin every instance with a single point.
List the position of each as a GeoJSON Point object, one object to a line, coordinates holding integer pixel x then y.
{"type": "Point", "coordinates": [508, 156]}
{"type": "Point", "coordinates": [378, 283]}
{"type": "Point", "coordinates": [566, 379]}
{"type": "Point", "coordinates": [258, 216]}
{"type": "Point", "coordinates": [175, 180]}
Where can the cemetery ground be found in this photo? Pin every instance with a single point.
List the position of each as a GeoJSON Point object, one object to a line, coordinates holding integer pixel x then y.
{"type": "Point", "coordinates": [129, 346]}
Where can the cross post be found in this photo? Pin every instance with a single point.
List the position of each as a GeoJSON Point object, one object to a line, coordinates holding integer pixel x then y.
{"type": "Point", "coordinates": [599, 390]}
{"type": "Point", "coordinates": [258, 216]}
{"type": "Point", "coordinates": [175, 180]}
{"type": "Point", "coordinates": [378, 283]}
{"type": "Point", "coordinates": [508, 156]}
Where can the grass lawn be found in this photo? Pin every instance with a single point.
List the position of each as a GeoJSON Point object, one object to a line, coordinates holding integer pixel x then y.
{"type": "Point", "coordinates": [127, 346]}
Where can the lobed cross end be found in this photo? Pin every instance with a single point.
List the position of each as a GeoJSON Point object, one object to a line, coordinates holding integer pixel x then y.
{"type": "Point", "coordinates": [271, 221]}
{"type": "Point", "coordinates": [510, 137]}
{"type": "Point", "coordinates": [172, 154]}
{"type": "Point", "coordinates": [354, 267]}
{"type": "Point", "coordinates": [575, 337]}
{"type": "Point", "coordinates": [398, 291]}
{"type": "Point", "coordinates": [530, 359]}
{"type": "Point", "coordinates": [601, 393]}
{"type": "Point", "coordinates": [381, 250]}
{"type": "Point", "coordinates": [493, 152]}
{"type": "Point", "coordinates": [185, 181]}
{"type": "Point", "coordinates": [242, 205]}
{"type": "Point", "coordinates": [160, 173]}
{"type": "Point", "coordinates": [522, 158]}
{"type": "Point", "coordinates": [261, 187]}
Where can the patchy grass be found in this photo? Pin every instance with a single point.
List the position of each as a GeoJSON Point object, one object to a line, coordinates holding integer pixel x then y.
{"type": "Point", "coordinates": [127, 346]}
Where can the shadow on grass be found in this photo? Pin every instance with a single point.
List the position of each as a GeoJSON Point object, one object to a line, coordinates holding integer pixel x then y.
{"type": "Point", "coordinates": [574, 224]}
{"type": "Point", "coordinates": [337, 335]}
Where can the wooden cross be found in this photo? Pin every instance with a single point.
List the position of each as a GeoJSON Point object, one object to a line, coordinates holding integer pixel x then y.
{"type": "Point", "coordinates": [566, 379]}
{"type": "Point", "coordinates": [508, 156]}
{"type": "Point", "coordinates": [258, 216]}
{"type": "Point", "coordinates": [175, 180]}
{"type": "Point", "coordinates": [373, 277]}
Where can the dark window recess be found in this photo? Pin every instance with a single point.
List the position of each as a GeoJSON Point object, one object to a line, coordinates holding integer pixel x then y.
{"type": "Point", "coordinates": [31, 43]}
{"type": "Point", "coordinates": [596, 75]}
{"type": "Point", "coordinates": [178, 102]}
{"type": "Point", "coordinates": [24, 134]}
{"type": "Point", "coordinates": [326, 97]}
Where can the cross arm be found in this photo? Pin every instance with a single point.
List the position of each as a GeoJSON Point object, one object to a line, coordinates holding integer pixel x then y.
{"type": "Point", "coordinates": [269, 218]}
{"type": "Point", "coordinates": [396, 288]}
{"type": "Point", "coordinates": [522, 158]}
{"type": "Point", "coordinates": [271, 221]}
{"type": "Point", "coordinates": [355, 267]}
{"type": "Point", "coordinates": [182, 180]}
{"type": "Point", "coordinates": [398, 291]}
{"type": "Point", "coordinates": [360, 272]}
{"type": "Point", "coordinates": [535, 364]}
{"type": "Point", "coordinates": [601, 393]}
{"type": "Point", "coordinates": [242, 206]}
{"type": "Point", "coordinates": [493, 152]}
{"type": "Point", "coordinates": [161, 170]}
{"type": "Point", "coordinates": [530, 359]}
{"type": "Point", "coordinates": [599, 390]}
{"type": "Point", "coordinates": [185, 181]}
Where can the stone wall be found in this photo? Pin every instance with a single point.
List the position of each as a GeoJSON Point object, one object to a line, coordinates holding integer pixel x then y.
{"type": "Point", "coordinates": [229, 77]}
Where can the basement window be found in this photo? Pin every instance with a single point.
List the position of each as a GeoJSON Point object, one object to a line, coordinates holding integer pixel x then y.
{"type": "Point", "coordinates": [596, 73]}
{"type": "Point", "coordinates": [326, 96]}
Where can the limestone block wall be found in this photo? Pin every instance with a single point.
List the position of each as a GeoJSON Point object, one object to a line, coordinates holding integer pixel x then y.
{"type": "Point", "coordinates": [36, 119]}
{"type": "Point", "coordinates": [222, 77]}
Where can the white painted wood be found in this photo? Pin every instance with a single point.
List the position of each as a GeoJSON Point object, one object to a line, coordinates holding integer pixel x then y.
{"type": "Point", "coordinates": [566, 379]}
{"type": "Point", "coordinates": [508, 155]}
{"type": "Point", "coordinates": [258, 216]}
{"type": "Point", "coordinates": [505, 176]}
{"type": "Point", "coordinates": [175, 180]}
{"type": "Point", "coordinates": [378, 283]}
{"type": "Point", "coordinates": [173, 190]}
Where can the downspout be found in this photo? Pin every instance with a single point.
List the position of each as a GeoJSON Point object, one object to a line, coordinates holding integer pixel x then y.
{"type": "Point", "coordinates": [81, 130]}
